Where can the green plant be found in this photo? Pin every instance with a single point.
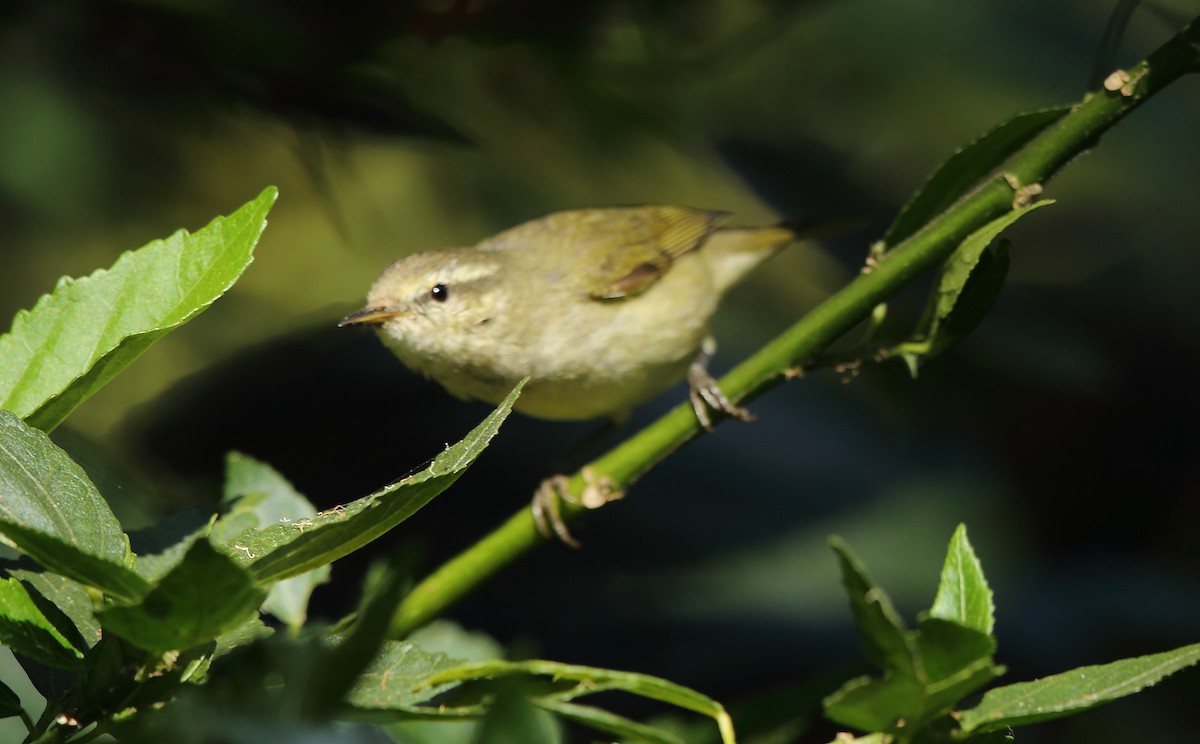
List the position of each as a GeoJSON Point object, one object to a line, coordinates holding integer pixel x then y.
{"type": "Point", "coordinates": [169, 641]}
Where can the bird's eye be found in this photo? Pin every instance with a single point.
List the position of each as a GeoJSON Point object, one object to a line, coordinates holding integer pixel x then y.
{"type": "Point", "coordinates": [439, 293]}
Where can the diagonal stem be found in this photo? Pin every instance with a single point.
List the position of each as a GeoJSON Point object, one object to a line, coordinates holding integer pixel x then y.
{"type": "Point", "coordinates": [1035, 164]}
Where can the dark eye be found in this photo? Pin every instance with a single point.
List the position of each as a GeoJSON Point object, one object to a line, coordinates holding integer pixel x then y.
{"type": "Point", "coordinates": [439, 293]}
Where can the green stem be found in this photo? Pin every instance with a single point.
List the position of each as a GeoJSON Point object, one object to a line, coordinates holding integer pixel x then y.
{"type": "Point", "coordinates": [1033, 165]}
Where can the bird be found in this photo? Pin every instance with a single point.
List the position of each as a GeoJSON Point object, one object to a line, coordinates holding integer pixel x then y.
{"type": "Point", "coordinates": [600, 309]}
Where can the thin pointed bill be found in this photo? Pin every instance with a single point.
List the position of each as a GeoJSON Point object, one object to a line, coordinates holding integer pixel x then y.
{"type": "Point", "coordinates": [370, 316]}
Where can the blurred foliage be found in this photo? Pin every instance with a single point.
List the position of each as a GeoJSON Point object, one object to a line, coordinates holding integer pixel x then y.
{"type": "Point", "coordinates": [1060, 431]}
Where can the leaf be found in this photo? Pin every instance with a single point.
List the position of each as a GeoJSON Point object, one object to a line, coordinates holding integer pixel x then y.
{"type": "Point", "coordinates": [162, 546]}
{"type": "Point", "coordinates": [610, 723]}
{"type": "Point", "coordinates": [925, 671]}
{"type": "Point", "coordinates": [68, 596]}
{"type": "Point", "coordinates": [80, 336]}
{"type": "Point", "coordinates": [875, 703]}
{"type": "Point", "coordinates": [281, 551]}
{"type": "Point", "coordinates": [26, 630]}
{"type": "Point", "coordinates": [257, 496]}
{"type": "Point", "coordinates": [385, 586]}
{"type": "Point", "coordinates": [966, 168]}
{"type": "Point", "coordinates": [963, 595]}
{"type": "Point", "coordinates": [10, 703]}
{"type": "Point", "coordinates": [51, 511]}
{"type": "Point", "coordinates": [965, 260]}
{"type": "Point", "coordinates": [204, 596]}
{"type": "Point", "coordinates": [1073, 691]}
{"type": "Point", "coordinates": [591, 680]}
{"type": "Point", "coordinates": [969, 283]}
{"type": "Point", "coordinates": [955, 661]}
{"type": "Point", "coordinates": [512, 717]}
{"type": "Point", "coordinates": [879, 626]}
{"type": "Point", "coordinates": [391, 680]}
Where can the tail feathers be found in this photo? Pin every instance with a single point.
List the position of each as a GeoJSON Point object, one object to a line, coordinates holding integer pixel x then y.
{"type": "Point", "coordinates": [733, 252]}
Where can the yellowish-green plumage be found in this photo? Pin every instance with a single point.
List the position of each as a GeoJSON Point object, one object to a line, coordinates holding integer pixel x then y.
{"type": "Point", "coordinates": [601, 308]}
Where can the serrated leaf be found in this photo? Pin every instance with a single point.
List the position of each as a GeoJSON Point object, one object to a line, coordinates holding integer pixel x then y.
{"type": "Point", "coordinates": [880, 628]}
{"type": "Point", "coordinates": [257, 496]}
{"type": "Point", "coordinates": [206, 595]}
{"type": "Point", "coordinates": [25, 629]}
{"type": "Point", "coordinates": [963, 594]}
{"type": "Point", "coordinates": [50, 510]}
{"type": "Point", "coordinates": [964, 264]}
{"type": "Point", "coordinates": [966, 168]}
{"type": "Point", "coordinates": [1070, 692]}
{"type": "Point", "coordinates": [76, 339]}
{"type": "Point", "coordinates": [968, 286]}
{"type": "Point", "coordinates": [282, 551]}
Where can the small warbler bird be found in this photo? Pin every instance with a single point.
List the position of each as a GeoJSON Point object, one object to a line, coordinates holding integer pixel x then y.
{"type": "Point", "coordinates": [601, 309]}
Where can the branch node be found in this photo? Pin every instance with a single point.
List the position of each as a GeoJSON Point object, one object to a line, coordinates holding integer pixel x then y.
{"type": "Point", "coordinates": [1023, 195]}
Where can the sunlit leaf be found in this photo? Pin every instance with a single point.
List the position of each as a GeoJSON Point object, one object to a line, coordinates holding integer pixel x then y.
{"type": "Point", "coordinates": [50, 510]}
{"type": "Point", "coordinates": [963, 594]}
{"type": "Point", "coordinates": [76, 339]}
{"type": "Point", "coordinates": [25, 629]}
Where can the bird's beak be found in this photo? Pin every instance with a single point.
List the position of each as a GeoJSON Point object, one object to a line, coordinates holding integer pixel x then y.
{"type": "Point", "coordinates": [370, 316]}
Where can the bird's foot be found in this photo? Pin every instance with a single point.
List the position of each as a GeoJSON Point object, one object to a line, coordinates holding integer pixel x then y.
{"type": "Point", "coordinates": [706, 394]}
{"type": "Point", "coordinates": [547, 502]}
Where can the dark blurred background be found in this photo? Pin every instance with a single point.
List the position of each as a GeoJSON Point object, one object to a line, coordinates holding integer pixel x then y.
{"type": "Point", "coordinates": [1062, 432]}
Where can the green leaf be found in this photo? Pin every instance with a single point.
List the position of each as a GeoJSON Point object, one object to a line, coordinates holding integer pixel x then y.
{"type": "Point", "coordinates": [610, 723]}
{"type": "Point", "coordinates": [875, 703]}
{"type": "Point", "coordinates": [25, 629]}
{"type": "Point", "coordinates": [963, 595]}
{"type": "Point", "coordinates": [51, 511]}
{"type": "Point", "coordinates": [963, 264]}
{"type": "Point", "coordinates": [204, 596]}
{"type": "Point", "coordinates": [80, 336]}
{"type": "Point", "coordinates": [879, 626]}
{"type": "Point", "coordinates": [390, 681]}
{"type": "Point", "coordinates": [954, 662]}
{"type": "Point", "coordinates": [161, 547]}
{"type": "Point", "coordinates": [876, 738]}
{"type": "Point", "coordinates": [591, 680]}
{"type": "Point", "coordinates": [927, 670]}
{"type": "Point", "coordinates": [282, 551]}
{"type": "Point", "coordinates": [10, 703]}
{"type": "Point", "coordinates": [513, 718]}
{"type": "Point", "coordinates": [257, 496]}
{"type": "Point", "coordinates": [384, 586]}
{"type": "Point", "coordinates": [1073, 691]}
{"type": "Point", "coordinates": [966, 168]}
{"type": "Point", "coordinates": [68, 596]}
{"type": "Point", "coordinates": [969, 283]}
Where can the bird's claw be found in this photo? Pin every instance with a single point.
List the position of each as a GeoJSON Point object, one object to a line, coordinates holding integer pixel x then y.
{"type": "Point", "coordinates": [547, 502]}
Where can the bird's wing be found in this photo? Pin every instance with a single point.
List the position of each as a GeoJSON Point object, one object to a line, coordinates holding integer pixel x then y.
{"type": "Point", "coordinates": [634, 247]}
